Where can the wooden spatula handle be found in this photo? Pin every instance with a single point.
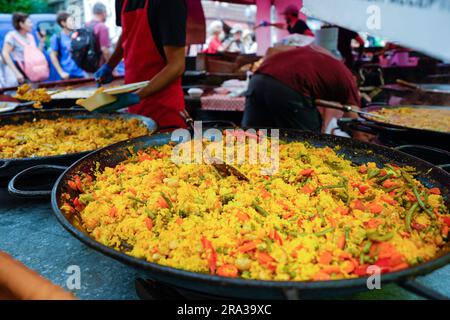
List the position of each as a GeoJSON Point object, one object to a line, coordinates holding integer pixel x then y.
{"type": "Point", "coordinates": [407, 84]}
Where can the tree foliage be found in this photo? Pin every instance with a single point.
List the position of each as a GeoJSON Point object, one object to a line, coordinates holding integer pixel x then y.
{"type": "Point", "coordinates": [27, 6]}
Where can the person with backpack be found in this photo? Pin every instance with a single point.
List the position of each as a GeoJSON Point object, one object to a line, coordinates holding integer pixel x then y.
{"type": "Point", "coordinates": [60, 45]}
{"type": "Point", "coordinates": [101, 31]}
{"type": "Point", "coordinates": [91, 43]}
{"type": "Point", "coordinates": [152, 45]}
{"type": "Point", "coordinates": [22, 54]}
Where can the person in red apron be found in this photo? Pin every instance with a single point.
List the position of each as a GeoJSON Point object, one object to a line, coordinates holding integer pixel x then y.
{"type": "Point", "coordinates": [152, 45]}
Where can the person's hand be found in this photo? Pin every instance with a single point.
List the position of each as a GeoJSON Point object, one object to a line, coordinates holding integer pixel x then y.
{"type": "Point", "coordinates": [20, 283]}
{"type": "Point", "coordinates": [64, 75]}
{"type": "Point", "coordinates": [20, 78]}
{"type": "Point", "coordinates": [279, 25]}
{"type": "Point", "coordinates": [104, 74]}
{"type": "Point", "coordinates": [124, 100]}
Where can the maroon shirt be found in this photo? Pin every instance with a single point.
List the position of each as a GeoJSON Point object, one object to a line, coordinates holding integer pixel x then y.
{"type": "Point", "coordinates": [313, 74]}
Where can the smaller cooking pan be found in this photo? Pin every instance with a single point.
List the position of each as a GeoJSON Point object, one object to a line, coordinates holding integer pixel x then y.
{"type": "Point", "coordinates": [11, 167]}
{"type": "Point", "coordinates": [400, 134]}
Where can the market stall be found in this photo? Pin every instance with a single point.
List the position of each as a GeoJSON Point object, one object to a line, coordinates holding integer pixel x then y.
{"type": "Point", "coordinates": [307, 215]}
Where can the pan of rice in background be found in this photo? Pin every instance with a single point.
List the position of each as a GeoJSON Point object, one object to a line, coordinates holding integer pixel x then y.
{"type": "Point", "coordinates": [28, 138]}
{"type": "Point", "coordinates": [412, 124]}
{"type": "Point", "coordinates": [336, 209]}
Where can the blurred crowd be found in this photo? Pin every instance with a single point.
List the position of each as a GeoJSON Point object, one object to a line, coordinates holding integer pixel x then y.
{"type": "Point", "coordinates": [29, 55]}
{"type": "Point", "coordinates": [237, 39]}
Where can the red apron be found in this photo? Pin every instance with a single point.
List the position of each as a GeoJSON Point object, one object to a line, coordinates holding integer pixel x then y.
{"type": "Point", "coordinates": [142, 62]}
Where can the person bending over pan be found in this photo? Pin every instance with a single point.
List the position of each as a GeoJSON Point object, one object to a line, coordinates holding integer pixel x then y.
{"type": "Point", "coordinates": [282, 92]}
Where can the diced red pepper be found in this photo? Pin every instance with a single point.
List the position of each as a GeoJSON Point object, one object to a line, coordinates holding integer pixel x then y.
{"type": "Point", "coordinates": [211, 255]}
{"type": "Point", "coordinates": [78, 205]}
{"type": "Point", "coordinates": [418, 226]}
{"type": "Point", "coordinates": [275, 236]}
{"type": "Point", "coordinates": [343, 210]}
{"type": "Point", "coordinates": [264, 193]}
{"type": "Point", "coordinates": [113, 212]}
{"type": "Point", "coordinates": [326, 258]}
{"type": "Point", "coordinates": [242, 216]}
{"type": "Point", "coordinates": [358, 204]}
{"type": "Point", "coordinates": [307, 172]}
{"type": "Point", "coordinates": [162, 203]}
{"type": "Point", "coordinates": [266, 260]}
{"type": "Point", "coordinates": [341, 242]}
{"type": "Point", "coordinates": [321, 276]}
{"type": "Point", "coordinates": [389, 184]}
{"type": "Point", "coordinates": [363, 188]}
{"type": "Point", "coordinates": [375, 208]}
{"type": "Point", "coordinates": [308, 189]}
{"type": "Point", "coordinates": [72, 185]}
{"type": "Point", "coordinates": [149, 223]}
{"type": "Point", "coordinates": [331, 269]}
{"type": "Point", "coordinates": [446, 220]}
{"type": "Point", "coordinates": [144, 157]}
{"type": "Point", "coordinates": [445, 231]}
{"type": "Point", "coordinates": [228, 270]}
{"type": "Point", "coordinates": [388, 200]}
{"type": "Point", "coordinates": [361, 270]}
{"type": "Point", "coordinates": [373, 223]}
{"type": "Point", "coordinates": [411, 197]}
{"type": "Point", "coordinates": [289, 215]}
{"type": "Point", "coordinates": [435, 191]}
{"type": "Point", "coordinates": [363, 168]}
{"type": "Point", "coordinates": [78, 183]}
{"type": "Point", "coordinates": [248, 246]}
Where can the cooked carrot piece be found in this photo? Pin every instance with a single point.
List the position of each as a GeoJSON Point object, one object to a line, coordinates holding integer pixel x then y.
{"type": "Point", "coordinates": [341, 242]}
{"type": "Point", "coordinates": [321, 276]}
{"type": "Point", "coordinates": [149, 223]}
{"type": "Point", "coordinates": [228, 270]}
{"type": "Point", "coordinates": [326, 258]}
{"type": "Point", "coordinates": [248, 246]}
{"type": "Point", "coordinates": [435, 191]}
{"type": "Point", "coordinates": [375, 208]}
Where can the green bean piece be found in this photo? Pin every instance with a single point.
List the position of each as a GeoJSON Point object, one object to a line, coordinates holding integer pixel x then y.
{"type": "Point", "coordinates": [260, 209]}
{"type": "Point", "coordinates": [375, 236]}
{"type": "Point", "coordinates": [337, 186]}
{"type": "Point", "coordinates": [347, 236]}
{"type": "Point", "coordinates": [361, 258]}
{"type": "Point", "coordinates": [410, 215]}
{"type": "Point", "coordinates": [167, 199]}
{"type": "Point", "coordinates": [322, 218]}
{"type": "Point", "coordinates": [86, 198]}
{"type": "Point", "coordinates": [391, 189]}
{"type": "Point", "coordinates": [382, 179]}
{"type": "Point", "coordinates": [137, 200]}
{"type": "Point", "coordinates": [324, 232]}
{"type": "Point", "coordinates": [422, 205]}
{"type": "Point", "coordinates": [408, 178]}
{"type": "Point", "coordinates": [367, 247]}
{"type": "Point", "coordinates": [150, 214]}
{"type": "Point", "coordinates": [372, 173]}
